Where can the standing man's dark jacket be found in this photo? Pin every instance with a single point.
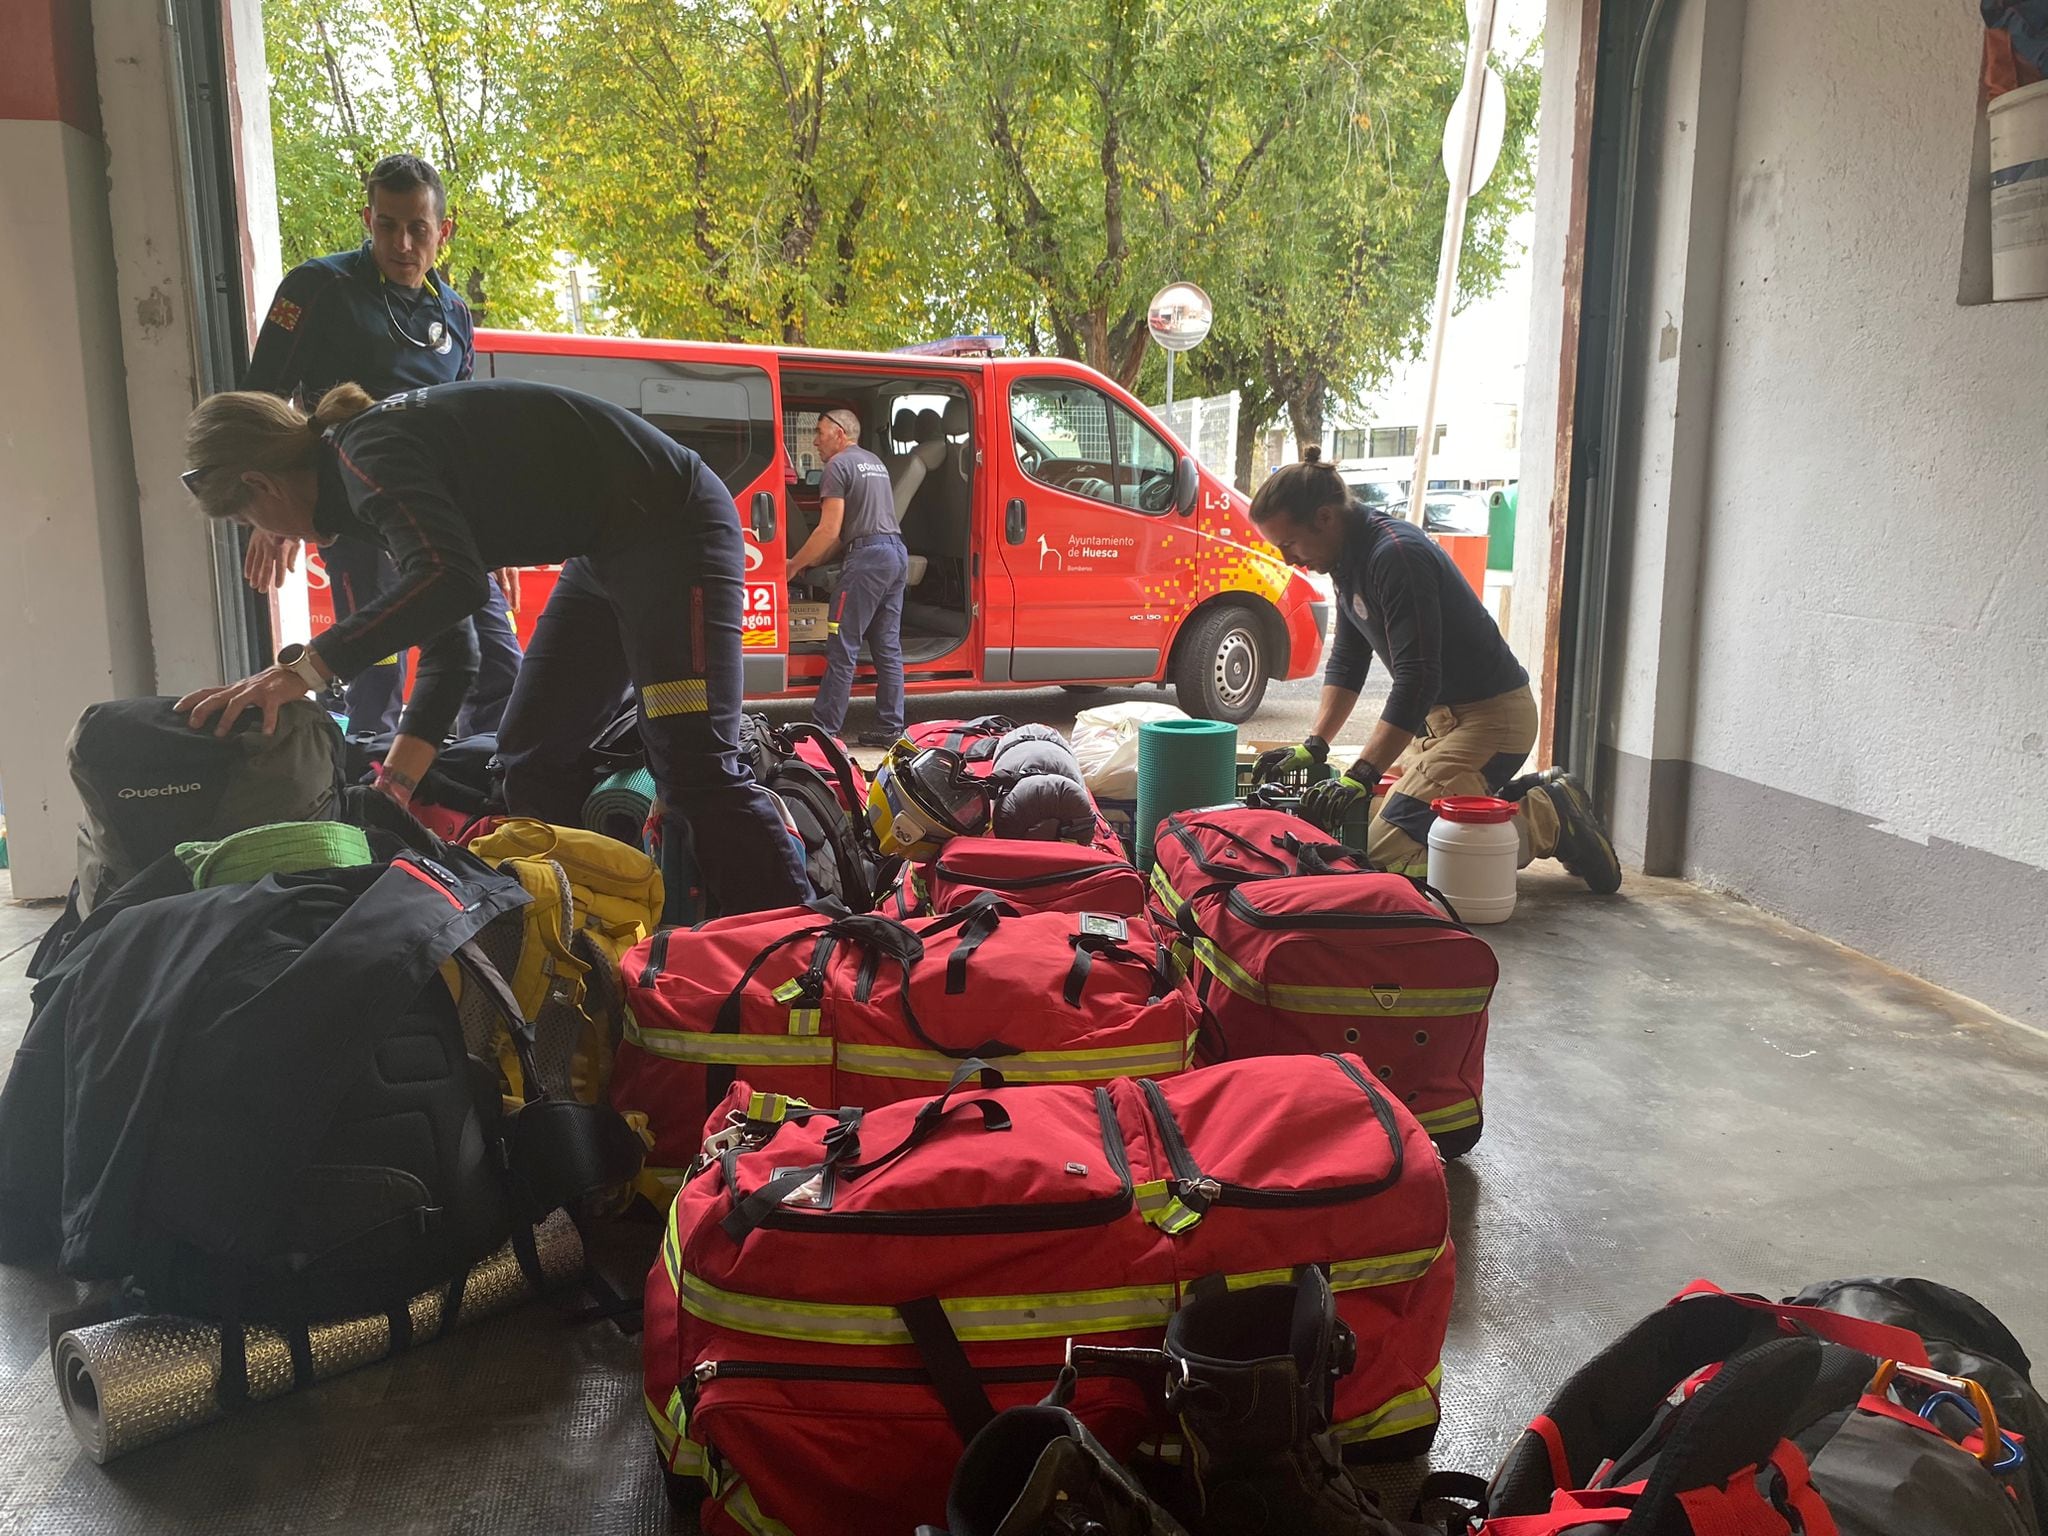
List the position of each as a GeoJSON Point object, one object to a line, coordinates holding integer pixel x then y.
{"type": "Point", "coordinates": [338, 320]}
{"type": "Point", "coordinates": [1400, 598]}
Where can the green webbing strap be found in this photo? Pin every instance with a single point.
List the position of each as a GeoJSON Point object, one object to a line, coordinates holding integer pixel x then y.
{"type": "Point", "coordinates": [282, 848]}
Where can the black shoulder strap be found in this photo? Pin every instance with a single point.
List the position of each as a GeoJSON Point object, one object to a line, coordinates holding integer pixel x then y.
{"type": "Point", "coordinates": [953, 1377]}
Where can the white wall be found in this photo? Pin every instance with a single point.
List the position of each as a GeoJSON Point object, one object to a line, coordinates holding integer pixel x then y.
{"type": "Point", "coordinates": [1829, 610]}
{"type": "Point", "coordinates": [73, 619]}
{"type": "Point", "coordinates": [1875, 618]}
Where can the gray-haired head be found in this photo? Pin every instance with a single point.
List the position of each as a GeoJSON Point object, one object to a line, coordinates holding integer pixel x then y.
{"type": "Point", "coordinates": [846, 421]}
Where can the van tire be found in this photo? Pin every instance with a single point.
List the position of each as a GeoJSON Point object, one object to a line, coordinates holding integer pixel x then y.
{"type": "Point", "coordinates": [1219, 666]}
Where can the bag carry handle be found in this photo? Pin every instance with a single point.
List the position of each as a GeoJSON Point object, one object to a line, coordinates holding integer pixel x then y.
{"type": "Point", "coordinates": [842, 770]}
{"type": "Point", "coordinates": [842, 1143]}
{"type": "Point", "coordinates": [1882, 1341]}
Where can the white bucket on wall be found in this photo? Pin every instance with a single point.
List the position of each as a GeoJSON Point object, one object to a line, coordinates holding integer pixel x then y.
{"type": "Point", "coordinates": [2019, 193]}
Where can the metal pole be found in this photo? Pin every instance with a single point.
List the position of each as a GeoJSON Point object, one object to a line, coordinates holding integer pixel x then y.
{"type": "Point", "coordinates": [1477, 47]}
{"type": "Point", "coordinates": [1169, 381]}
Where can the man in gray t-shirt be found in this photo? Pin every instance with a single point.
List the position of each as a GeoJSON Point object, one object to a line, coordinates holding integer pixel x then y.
{"type": "Point", "coordinates": [858, 509]}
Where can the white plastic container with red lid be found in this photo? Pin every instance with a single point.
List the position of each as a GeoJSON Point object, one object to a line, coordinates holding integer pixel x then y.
{"type": "Point", "coordinates": [1474, 851]}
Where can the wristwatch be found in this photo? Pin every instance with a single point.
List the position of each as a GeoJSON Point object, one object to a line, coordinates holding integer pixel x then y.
{"type": "Point", "coordinates": [299, 658]}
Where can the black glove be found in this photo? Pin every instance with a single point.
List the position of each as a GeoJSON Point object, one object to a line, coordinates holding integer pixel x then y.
{"type": "Point", "coordinates": [1284, 759]}
{"type": "Point", "coordinates": [1325, 805]}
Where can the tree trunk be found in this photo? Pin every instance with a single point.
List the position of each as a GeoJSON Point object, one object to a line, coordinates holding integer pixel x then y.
{"type": "Point", "coordinates": [1305, 412]}
{"type": "Point", "coordinates": [1248, 429]}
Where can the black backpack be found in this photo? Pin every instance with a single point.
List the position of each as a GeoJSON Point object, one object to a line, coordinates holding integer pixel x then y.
{"type": "Point", "coordinates": [149, 781]}
{"type": "Point", "coordinates": [830, 814]}
{"type": "Point", "coordinates": [286, 1123]}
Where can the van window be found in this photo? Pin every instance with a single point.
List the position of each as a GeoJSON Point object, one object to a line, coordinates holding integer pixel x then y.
{"type": "Point", "coordinates": [724, 412]}
{"type": "Point", "coordinates": [1077, 440]}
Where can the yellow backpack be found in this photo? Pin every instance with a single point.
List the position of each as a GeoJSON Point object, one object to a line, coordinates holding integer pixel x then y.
{"type": "Point", "coordinates": [594, 898]}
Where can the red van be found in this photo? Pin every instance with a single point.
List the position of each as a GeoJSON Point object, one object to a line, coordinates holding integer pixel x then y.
{"type": "Point", "coordinates": [1058, 533]}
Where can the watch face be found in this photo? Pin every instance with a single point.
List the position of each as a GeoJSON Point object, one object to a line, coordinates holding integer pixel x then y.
{"type": "Point", "coordinates": [290, 655]}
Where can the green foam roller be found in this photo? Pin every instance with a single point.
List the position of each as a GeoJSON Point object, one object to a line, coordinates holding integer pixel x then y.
{"type": "Point", "coordinates": [1182, 765]}
{"type": "Point", "coordinates": [619, 806]}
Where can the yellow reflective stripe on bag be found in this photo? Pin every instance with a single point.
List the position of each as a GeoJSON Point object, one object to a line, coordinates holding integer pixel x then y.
{"type": "Point", "coordinates": [1452, 1117]}
{"type": "Point", "coordinates": [1396, 1416]}
{"type": "Point", "coordinates": [1353, 1274]}
{"type": "Point", "coordinates": [1163, 889]}
{"type": "Point", "coordinates": [749, 1516]}
{"type": "Point", "coordinates": [806, 1021]}
{"type": "Point", "coordinates": [1371, 1002]}
{"type": "Point", "coordinates": [1050, 1316]}
{"type": "Point", "coordinates": [773, 1108]}
{"type": "Point", "coordinates": [707, 1049]}
{"type": "Point", "coordinates": [679, 1453]}
{"type": "Point", "coordinates": [1024, 1067]}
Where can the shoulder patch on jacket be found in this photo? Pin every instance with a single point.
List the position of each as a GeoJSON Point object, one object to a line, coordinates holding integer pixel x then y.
{"type": "Point", "coordinates": [284, 314]}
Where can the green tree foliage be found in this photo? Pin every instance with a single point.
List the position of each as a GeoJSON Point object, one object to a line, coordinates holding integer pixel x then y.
{"type": "Point", "coordinates": [354, 80]}
{"type": "Point", "coordinates": [1329, 279]}
{"type": "Point", "coordinates": [850, 174]}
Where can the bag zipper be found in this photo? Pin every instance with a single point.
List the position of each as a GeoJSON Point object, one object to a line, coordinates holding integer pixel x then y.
{"type": "Point", "coordinates": [708, 1371]}
{"type": "Point", "coordinates": [1026, 882]}
{"type": "Point", "coordinates": [1198, 1191]}
{"type": "Point", "coordinates": [1053, 1216]}
{"type": "Point", "coordinates": [1242, 906]}
{"type": "Point", "coordinates": [657, 956]}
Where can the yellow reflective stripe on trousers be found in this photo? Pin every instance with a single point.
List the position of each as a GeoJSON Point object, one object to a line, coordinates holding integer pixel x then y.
{"type": "Point", "coordinates": [1381, 1002]}
{"type": "Point", "coordinates": [749, 1516]}
{"type": "Point", "coordinates": [735, 1050]}
{"type": "Point", "coordinates": [1452, 1117]}
{"type": "Point", "coordinates": [1023, 1067]}
{"type": "Point", "coordinates": [1396, 1416]}
{"type": "Point", "coordinates": [684, 696]}
{"type": "Point", "coordinates": [1050, 1316]}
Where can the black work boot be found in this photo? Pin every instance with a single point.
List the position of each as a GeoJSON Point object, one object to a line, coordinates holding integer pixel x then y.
{"type": "Point", "coordinates": [1583, 846]}
{"type": "Point", "coordinates": [1252, 1377]}
{"type": "Point", "coordinates": [1038, 1472]}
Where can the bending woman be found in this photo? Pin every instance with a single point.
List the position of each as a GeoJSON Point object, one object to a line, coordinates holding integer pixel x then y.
{"type": "Point", "coordinates": [458, 479]}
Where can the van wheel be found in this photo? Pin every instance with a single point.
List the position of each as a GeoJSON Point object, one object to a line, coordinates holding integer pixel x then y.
{"type": "Point", "coordinates": [1219, 667]}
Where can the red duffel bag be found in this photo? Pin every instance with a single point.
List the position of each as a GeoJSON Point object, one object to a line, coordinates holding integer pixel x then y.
{"type": "Point", "coordinates": [1305, 951]}
{"type": "Point", "coordinates": [864, 1011]}
{"type": "Point", "coordinates": [1034, 877]}
{"type": "Point", "coordinates": [842, 1298]}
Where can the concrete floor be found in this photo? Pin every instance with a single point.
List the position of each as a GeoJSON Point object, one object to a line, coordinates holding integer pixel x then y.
{"type": "Point", "coordinates": [1678, 1086]}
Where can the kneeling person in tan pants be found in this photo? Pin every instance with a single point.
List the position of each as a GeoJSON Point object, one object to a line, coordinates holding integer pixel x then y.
{"type": "Point", "coordinates": [1459, 720]}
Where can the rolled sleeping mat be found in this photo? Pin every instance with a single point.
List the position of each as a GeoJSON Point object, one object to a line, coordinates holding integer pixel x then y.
{"type": "Point", "coordinates": [620, 805]}
{"type": "Point", "coordinates": [1183, 765]}
{"type": "Point", "coordinates": [137, 1380]}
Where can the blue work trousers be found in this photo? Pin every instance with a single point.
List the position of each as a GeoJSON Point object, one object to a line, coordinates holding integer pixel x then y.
{"type": "Point", "coordinates": [662, 616]}
{"type": "Point", "coordinates": [867, 607]}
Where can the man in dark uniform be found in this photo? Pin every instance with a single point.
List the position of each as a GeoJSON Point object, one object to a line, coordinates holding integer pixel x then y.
{"type": "Point", "coordinates": [1459, 719]}
{"type": "Point", "coordinates": [379, 316]}
{"type": "Point", "coordinates": [857, 507]}
{"type": "Point", "coordinates": [457, 479]}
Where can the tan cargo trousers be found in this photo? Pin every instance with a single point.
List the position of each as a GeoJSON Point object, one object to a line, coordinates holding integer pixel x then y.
{"type": "Point", "coordinates": [1464, 749]}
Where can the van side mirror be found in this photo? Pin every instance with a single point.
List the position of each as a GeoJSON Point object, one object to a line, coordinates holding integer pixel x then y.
{"type": "Point", "coordinates": [1187, 485]}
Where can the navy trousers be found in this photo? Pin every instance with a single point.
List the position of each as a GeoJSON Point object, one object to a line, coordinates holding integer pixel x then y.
{"type": "Point", "coordinates": [867, 607]}
{"type": "Point", "coordinates": [663, 617]}
{"type": "Point", "coordinates": [356, 572]}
